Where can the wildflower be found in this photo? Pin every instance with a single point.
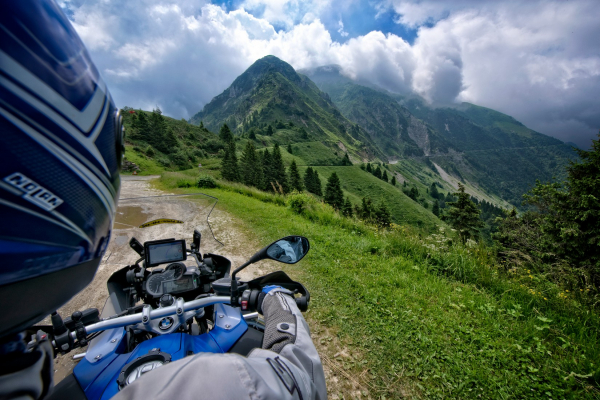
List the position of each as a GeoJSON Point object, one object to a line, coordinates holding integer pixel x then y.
{"type": "Point", "coordinates": [566, 290]}
{"type": "Point", "coordinates": [545, 298]}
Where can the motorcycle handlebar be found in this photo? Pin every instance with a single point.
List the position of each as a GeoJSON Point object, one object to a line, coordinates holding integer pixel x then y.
{"type": "Point", "coordinates": [175, 309]}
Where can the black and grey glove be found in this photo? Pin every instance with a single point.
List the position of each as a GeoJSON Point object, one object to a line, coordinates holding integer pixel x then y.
{"type": "Point", "coordinates": [280, 322]}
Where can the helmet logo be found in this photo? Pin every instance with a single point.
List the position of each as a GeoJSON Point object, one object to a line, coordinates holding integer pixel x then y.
{"type": "Point", "coordinates": [33, 192]}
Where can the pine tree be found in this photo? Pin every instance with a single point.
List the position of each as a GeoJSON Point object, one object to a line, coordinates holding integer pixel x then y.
{"type": "Point", "coordinates": [347, 208]}
{"type": "Point", "coordinates": [366, 212]}
{"type": "Point", "coordinates": [229, 166]}
{"type": "Point", "coordinates": [289, 148]}
{"type": "Point", "coordinates": [278, 170]}
{"type": "Point", "coordinates": [333, 192]}
{"type": "Point", "coordinates": [393, 182]}
{"type": "Point", "coordinates": [434, 191]}
{"type": "Point", "coordinates": [463, 215]}
{"type": "Point", "coordinates": [346, 160]}
{"type": "Point", "coordinates": [383, 218]}
{"type": "Point", "coordinates": [170, 142]}
{"type": "Point", "coordinates": [312, 182]}
{"type": "Point", "coordinates": [225, 134]}
{"type": "Point", "coordinates": [385, 176]}
{"type": "Point", "coordinates": [369, 169]}
{"type": "Point", "coordinates": [295, 180]}
{"type": "Point", "coordinates": [318, 188]}
{"type": "Point", "coordinates": [267, 171]}
{"type": "Point", "coordinates": [436, 208]}
{"type": "Point", "coordinates": [269, 130]}
{"type": "Point", "coordinates": [308, 179]}
{"type": "Point", "coordinates": [250, 165]}
{"type": "Point", "coordinates": [157, 131]}
{"type": "Point", "coordinates": [377, 172]}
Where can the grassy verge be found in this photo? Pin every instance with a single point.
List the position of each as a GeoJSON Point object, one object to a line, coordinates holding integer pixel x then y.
{"type": "Point", "coordinates": [421, 318]}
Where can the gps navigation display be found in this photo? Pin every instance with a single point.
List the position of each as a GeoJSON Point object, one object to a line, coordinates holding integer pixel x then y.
{"type": "Point", "coordinates": [160, 252]}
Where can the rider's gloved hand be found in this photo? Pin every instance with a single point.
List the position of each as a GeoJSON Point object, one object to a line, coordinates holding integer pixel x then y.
{"type": "Point", "coordinates": [270, 290]}
{"type": "Point", "coordinates": [278, 306]}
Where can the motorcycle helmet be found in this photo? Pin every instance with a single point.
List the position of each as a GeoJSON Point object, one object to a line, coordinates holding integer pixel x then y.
{"type": "Point", "coordinates": [61, 144]}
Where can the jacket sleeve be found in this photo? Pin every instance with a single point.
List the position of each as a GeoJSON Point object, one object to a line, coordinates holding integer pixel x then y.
{"type": "Point", "coordinates": [287, 367]}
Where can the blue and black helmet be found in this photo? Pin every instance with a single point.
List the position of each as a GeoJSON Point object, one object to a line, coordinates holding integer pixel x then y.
{"type": "Point", "coordinates": [61, 145]}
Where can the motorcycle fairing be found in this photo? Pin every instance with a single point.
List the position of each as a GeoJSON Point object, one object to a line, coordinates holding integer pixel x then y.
{"type": "Point", "coordinates": [99, 379]}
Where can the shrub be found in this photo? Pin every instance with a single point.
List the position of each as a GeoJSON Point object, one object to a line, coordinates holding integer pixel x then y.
{"type": "Point", "coordinates": [298, 202]}
{"type": "Point", "coordinates": [207, 182]}
{"type": "Point", "coordinates": [165, 162]}
{"type": "Point", "coordinates": [184, 183]}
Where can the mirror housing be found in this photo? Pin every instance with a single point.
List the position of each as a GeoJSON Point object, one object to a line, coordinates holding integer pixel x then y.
{"type": "Point", "coordinates": [289, 250]}
{"type": "Point", "coordinates": [196, 240]}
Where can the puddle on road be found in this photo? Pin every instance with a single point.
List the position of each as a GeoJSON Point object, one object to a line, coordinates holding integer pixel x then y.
{"type": "Point", "coordinates": [130, 217]}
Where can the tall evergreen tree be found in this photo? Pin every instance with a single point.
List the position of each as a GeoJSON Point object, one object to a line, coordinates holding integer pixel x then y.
{"type": "Point", "coordinates": [229, 166]}
{"type": "Point", "coordinates": [270, 130]}
{"type": "Point", "coordinates": [295, 180]}
{"type": "Point", "coordinates": [434, 191]}
{"type": "Point", "coordinates": [369, 169]}
{"type": "Point", "coordinates": [225, 134]}
{"type": "Point", "coordinates": [318, 188]}
{"type": "Point", "coordinates": [436, 208]}
{"type": "Point", "coordinates": [312, 182]}
{"type": "Point", "coordinates": [158, 129]}
{"type": "Point", "coordinates": [346, 160]}
{"type": "Point", "coordinates": [366, 211]}
{"type": "Point", "coordinates": [278, 170]}
{"type": "Point", "coordinates": [393, 182]}
{"type": "Point", "coordinates": [267, 162]}
{"type": "Point", "coordinates": [377, 172]}
{"type": "Point", "coordinates": [169, 143]}
{"type": "Point", "coordinates": [309, 179]}
{"type": "Point", "coordinates": [384, 176]}
{"type": "Point", "coordinates": [383, 218]}
{"type": "Point", "coordinates": [333, 192]}
{"type": "Point", "coordinates": [463, 215]}
{"type": "Point", "coordinates": [347, 208]}
{"type": "Point", "coordinates": [250, 165]}
{"type": "Point", "coordinates": [289, 148]}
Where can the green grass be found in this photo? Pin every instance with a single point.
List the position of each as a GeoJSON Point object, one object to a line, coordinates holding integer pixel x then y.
{"type": "Point", "coordinates": [315, 153]}
{"type": "Point", "coordinates": [422, 319]}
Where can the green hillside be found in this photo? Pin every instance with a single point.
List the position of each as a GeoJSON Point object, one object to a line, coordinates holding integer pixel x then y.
{"type": "Point", "coordinates": [405, 211]}
{"type": "Point", "coordinates": [155, 142]}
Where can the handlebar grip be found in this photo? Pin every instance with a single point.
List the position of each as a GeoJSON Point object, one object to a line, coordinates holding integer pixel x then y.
{"type": "Point", "coordinates": [302, 303]}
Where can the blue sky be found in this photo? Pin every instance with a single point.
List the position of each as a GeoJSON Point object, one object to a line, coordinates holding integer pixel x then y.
{"type": "Point", "coordinates": [536, 60]}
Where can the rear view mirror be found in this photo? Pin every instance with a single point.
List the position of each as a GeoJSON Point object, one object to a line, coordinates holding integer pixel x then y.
{"type": "Point", "coordinates": [288, 250]}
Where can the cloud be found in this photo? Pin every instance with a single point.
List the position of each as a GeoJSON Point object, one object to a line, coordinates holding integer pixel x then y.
{"type": "Point", "coordinates": [341, 30]}
{"type": "Point", "coordinates": [538, 61]}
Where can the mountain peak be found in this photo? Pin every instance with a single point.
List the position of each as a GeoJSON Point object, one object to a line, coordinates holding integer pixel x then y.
{"type": "Point", "coordinates": [262, 67]}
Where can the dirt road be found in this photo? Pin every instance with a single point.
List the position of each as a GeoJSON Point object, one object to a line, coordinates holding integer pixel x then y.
{"type": "Point", "coordinates": [237, 245]}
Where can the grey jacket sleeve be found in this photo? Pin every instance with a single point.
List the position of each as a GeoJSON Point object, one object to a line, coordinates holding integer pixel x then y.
{"type": "Point", "coordinates": [287, 367]}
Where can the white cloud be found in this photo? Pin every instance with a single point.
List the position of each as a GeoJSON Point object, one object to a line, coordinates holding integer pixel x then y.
{"type": "Point", "coordinates": [341, 30]}
{"type": "Point", "coordinates": [538, 61]}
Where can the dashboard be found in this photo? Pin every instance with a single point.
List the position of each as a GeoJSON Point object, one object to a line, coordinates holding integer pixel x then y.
{"type": "Point", "coordinates": [173, 279]}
